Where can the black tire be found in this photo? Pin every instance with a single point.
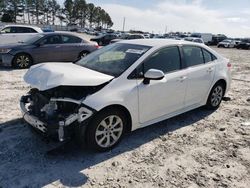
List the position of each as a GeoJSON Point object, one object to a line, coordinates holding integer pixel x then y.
{"type": "Point", "coordinates": [100, 43]}
{"type": "Point", "coordinates": [215, 96]}
{"type": "Point", "coordinates": [22, 61]}
{"type": "Point", "coordinates": [83, 54]}
{"type": "Point", "coordinates": [95, 125]}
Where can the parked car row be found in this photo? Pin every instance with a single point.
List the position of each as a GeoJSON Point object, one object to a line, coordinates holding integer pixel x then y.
{"type": "Point", "coordinates": [106, 39]}
{"type": "Point", "coordinates": [239, 44]}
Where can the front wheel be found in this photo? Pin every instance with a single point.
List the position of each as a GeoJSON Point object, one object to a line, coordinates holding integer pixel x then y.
{"type": "Point", "coordinates": [106, 130]}
{"type": "Point", "coordinates": [215, 96]}
{"type": "Point", "coordinates": [22, 61]}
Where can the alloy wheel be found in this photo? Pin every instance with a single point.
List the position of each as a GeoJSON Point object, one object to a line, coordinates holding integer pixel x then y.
{"type": "Point", "coordinates": [109, 131]}
{"type": "Point", "coordinates": [217, 96]}
{"type": "Point", "coordinates": [23, 61]}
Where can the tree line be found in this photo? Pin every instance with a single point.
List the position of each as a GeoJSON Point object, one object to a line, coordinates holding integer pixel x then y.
{"type": "Point", "coordinates": [73, 12]}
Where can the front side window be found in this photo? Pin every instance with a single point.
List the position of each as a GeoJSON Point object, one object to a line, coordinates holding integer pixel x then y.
{"type": "Point", "coordinates": [113, 59]}
{"type": "Point", "coordinates": [166, 60]}
{"type": "Point", "coordinates": [14, 30]}
{"type": "Point", "coordinates": [193, 55]}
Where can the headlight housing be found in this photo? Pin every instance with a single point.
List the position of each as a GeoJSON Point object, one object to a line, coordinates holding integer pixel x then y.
{"type": "Point", "coordinates": [4, 50]}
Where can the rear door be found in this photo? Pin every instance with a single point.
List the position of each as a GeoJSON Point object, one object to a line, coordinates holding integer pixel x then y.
{"type": "Point", "coordinates": [201, 69]}
{"type": "Point", "coordinates": [72, 46]}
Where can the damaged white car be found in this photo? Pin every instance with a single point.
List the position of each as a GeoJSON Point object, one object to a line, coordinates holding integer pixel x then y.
{"type": "Point", "coordinates": [122, 87]}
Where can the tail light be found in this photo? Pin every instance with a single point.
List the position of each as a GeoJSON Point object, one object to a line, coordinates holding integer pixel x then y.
{"type": "Point", "coordinates": [229, 65]}
{"type": "Point", "coordinates": [97, 46]}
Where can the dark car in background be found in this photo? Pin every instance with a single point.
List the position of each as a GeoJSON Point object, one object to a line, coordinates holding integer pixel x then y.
{"type": "Point", "coordinates": [128, 37]}
{"type": "Point", "coordinates": [217, 38]}
{"type": "Point", "coordinates": [244, 44]}
{"type": "Point", "coordinates": [104, 40]}
{"type": "Point", "coordinates": [46, 47]}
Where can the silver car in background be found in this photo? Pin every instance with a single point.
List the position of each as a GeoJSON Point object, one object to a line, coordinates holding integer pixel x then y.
{"type": "Point", "coordinates": [15, 33]}
{"type": "Point", "coordinates": [45, 47]}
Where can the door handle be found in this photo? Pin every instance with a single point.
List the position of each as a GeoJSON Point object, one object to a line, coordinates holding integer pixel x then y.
{"type": "Point", "coordinates": [58, 46]}
{"type": "Point", "coordinates": [210, 69]}
{"type": "Point", "coordinates": [182, 78]}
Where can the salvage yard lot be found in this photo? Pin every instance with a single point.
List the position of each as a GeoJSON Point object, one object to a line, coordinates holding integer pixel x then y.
{"type": "Point", "coordinates": [200, 148]}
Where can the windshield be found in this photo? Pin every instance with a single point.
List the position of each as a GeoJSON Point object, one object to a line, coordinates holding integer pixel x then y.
{"type": "Point", "coordinates": [113, 59]}
{"type": "Point", "coordinates": [32, 39]}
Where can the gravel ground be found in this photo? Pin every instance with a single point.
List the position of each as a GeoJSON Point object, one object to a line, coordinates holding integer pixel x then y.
{"type": "Point", "coordinates": [197, 149]}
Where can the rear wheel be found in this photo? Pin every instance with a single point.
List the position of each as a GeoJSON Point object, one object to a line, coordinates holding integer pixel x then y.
{"type": "Point", "coordinates": [106, 130]}
{"type": "Point", "coordinates": [22, 61]}
{"type": "Point", "coordinates": [83, 54]}
{"type": "Point", "coordinates": [215, 96]}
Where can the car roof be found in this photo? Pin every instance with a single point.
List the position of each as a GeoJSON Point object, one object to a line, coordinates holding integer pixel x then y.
{"type": "Point", "coordinates": [159, 42]}
{"type": "Point", "coordinates": [63, 33]}
{"type": "Point", "coordinates": [28, 26]}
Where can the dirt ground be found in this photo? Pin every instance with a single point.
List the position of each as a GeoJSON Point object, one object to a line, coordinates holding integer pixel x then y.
{"type": "Point", "coordinates": [200, 148]}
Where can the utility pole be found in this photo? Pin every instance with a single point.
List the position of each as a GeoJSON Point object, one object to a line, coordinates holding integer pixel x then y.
{"type": "Point", "coordinates": [123, 25]}
{"type": "Point", "coordinates": [166, 29]}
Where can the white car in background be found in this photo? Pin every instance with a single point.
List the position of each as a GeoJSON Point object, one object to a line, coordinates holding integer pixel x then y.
{"type": "Point", "coordinates": [123, 87]}
{"type": "Point", "coordinates": [15, 33]}
{"type": "Point", "coordinates": [194, 39]}
{"type": "Point", "coordinates": [227, 44]}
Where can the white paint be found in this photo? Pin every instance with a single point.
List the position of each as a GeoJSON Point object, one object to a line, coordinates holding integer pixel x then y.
{"type": "Point", "coordinates": [49, 75]}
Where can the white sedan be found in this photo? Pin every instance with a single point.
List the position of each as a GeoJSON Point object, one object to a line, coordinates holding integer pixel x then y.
{"type": "Point", "coordinates": [227, 44]}
{"type": "Point", "coordinates": [123, 87]}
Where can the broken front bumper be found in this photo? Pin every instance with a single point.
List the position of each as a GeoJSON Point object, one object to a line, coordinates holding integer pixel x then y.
{"type": "Point", "coordinates": [59, 128]}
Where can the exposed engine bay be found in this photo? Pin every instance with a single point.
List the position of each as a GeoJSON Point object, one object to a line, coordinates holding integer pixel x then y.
{"type": "Point", "coordinates": [56, 110]}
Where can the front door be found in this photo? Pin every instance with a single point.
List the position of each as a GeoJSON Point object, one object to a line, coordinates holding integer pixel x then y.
{"type": "Point", "coordinates": [49, 50]}
{"type": "Point", "coordinates": [162, 97]}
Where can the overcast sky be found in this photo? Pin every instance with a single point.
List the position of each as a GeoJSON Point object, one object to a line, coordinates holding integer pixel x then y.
{"type": "Point", "coordinates": [230, 17]}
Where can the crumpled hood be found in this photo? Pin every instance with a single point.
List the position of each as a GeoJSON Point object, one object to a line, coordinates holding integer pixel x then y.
{"type": "Point", "coordinates": [49, 75]}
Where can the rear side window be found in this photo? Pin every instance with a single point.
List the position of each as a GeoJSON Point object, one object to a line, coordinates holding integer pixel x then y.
{"type": "Point", "coordinates": [25, 30]}
{"type": "Point", "coordinates": [166, 60]}
{"type": "Point", "coordinates": [193, 55]}
{"type": "Point", "coordinates": [208, 56]}
{"type": "Point", "coordinates": [71, 39]}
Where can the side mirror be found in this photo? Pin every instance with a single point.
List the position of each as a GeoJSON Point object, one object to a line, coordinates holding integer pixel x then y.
{"type": "Point", "coordinates": [38, 44]}
{"type": "Point", "coordinates": [153, 74]}
{"type": "Point", "coordinates": [2, 32]}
